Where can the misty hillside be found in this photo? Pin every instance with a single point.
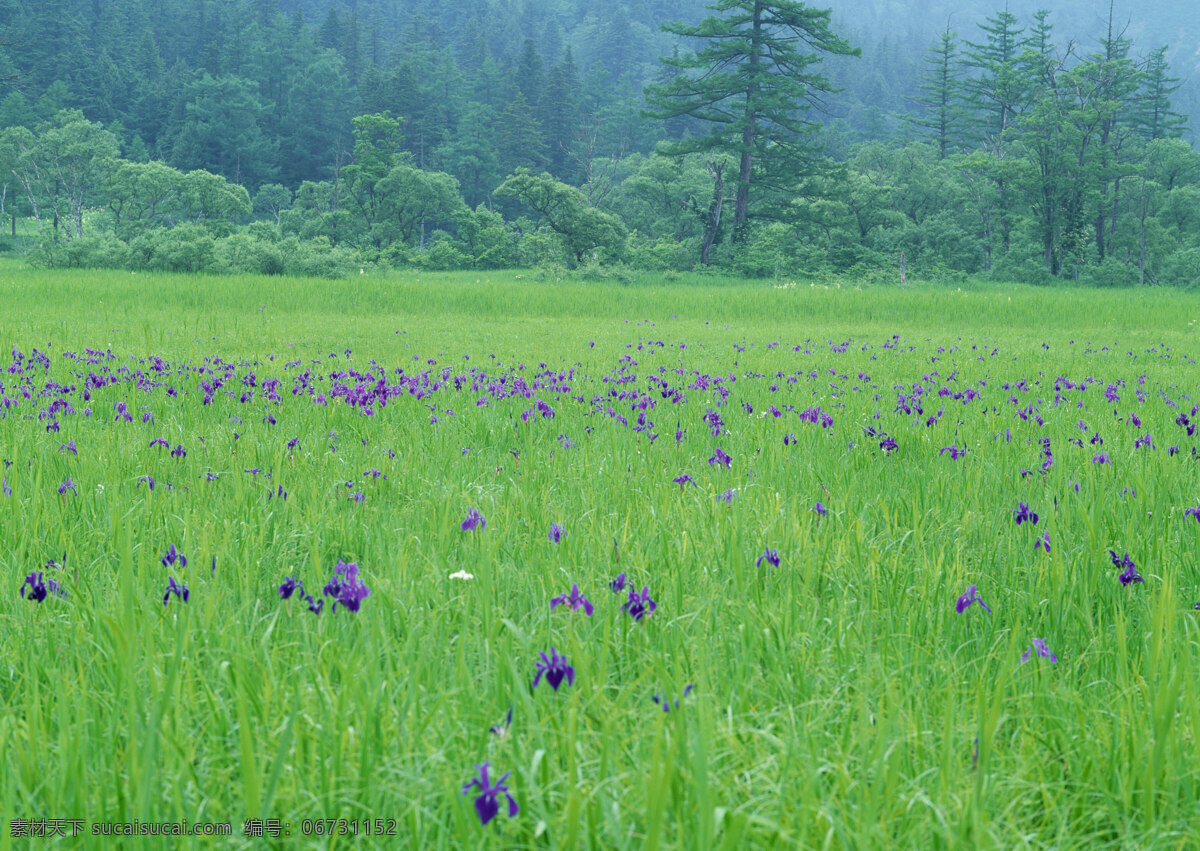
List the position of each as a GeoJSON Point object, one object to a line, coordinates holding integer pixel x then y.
{"type": "Point", "coordinates": [961, 136]}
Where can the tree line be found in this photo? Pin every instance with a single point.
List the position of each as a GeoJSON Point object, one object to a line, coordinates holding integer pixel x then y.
{"type": "Point", "coordinates": [1020, 154]}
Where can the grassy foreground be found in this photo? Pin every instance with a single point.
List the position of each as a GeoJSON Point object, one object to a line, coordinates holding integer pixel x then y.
{"type": "Point", "coordinates": [839, 699]}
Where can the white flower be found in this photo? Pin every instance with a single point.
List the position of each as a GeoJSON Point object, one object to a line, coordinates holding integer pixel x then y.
{"type": "Point", "coordinates": [461, 574]}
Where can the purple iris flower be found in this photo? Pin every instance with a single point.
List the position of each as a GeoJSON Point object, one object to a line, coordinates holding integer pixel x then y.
{"type": "Point", "coordinates": [639, 605]}
{"type": "Point", "coordinates": [1102, 458]}
{"type": "Point", "coordinates": [1130, 574]}
{"type": "Point", "coordinates": [68, 447]}
{"type": "Point", "coordinates": [969, 597]}
{"type": "Point", "coordinates": [727, 496]}
{"type": "Point", "coordinates": [555, 668]}
{"type": "Point", "coordinates": [173, 556]}
{"type": "Point", "coordinates": [179, 452]}
{"type": "Point", "coordinates": [501, 730]}
{"type": "Point", "coordinates": [1043, 542]}
{"type": "Point", "coordinates": [346, 588]}
{"type": "Point", "coordinates": [37, 587]}
{"type": "Point", "coordinates": [1143, 441]}
{"type": "Point", "coordinates": [487, 804]}
{"type": "Point", "coordinates": [1022, 513]}
{"type": "Point", "coordinates": [683, 480]}
{"type": "Point", "coordinates": [290, 586]}
{"type": "Point", "coordinates": [618, 584]}
{"type": "Point", "coordinates": [770, 555]}
{"type": "Point", "coordinates": [665, 702]}
{"type": "Point", "coordinates": [820, 509]}
{"type": "Point", "coordinates": [180, 591]}
{"type": "Point", "coordinates": [719, 456]}
{"type": "Point", "coordinates": [575, 600]}
{"type": "Point", "coordinates": [8, 489]}
{"type": "Point", "coordinates": [1039, 647]}
{"type": "Point", "coordinates": [888, 444]}
{"type": "Point", "coordinates": [1194, 512]}
{"type": "Point", "coordinates": [474, 521]}
{"type": "Point", "coordinates": [955, 452]}
{"type": "Point", "coordinates": [147, 479]}
{"type": "Point", "coordinates": [158, 441]}
{"type": "Point", "coordinates": [556, 533]}
{"type": "Point", "coordinates": [67, 485]}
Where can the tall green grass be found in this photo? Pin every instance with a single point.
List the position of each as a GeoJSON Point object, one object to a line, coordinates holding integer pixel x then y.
{"type": "Point", "coordinates": [840, 701]}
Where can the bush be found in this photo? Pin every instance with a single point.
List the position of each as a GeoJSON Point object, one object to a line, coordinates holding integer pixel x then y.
{"type": "Point", "coordinates": [85, 252]}
{"type": "Point", "coordinates": [1110, 273]}
{"type": "Point", "coordinates": [242, 253]}
{"type": "Point", "coordinates": [1181, 269]}
{"type": "Point", "coordinates": [186, 248]}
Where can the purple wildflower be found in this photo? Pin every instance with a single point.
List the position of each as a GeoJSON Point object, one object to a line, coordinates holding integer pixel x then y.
{"type": "Point", "coordinates": [666, 702]}
{"type": "Point", "coordinates": [771, 555]}
{"type": "Point", "coordinates": [501, 730]}
{"type": "Point", "coordinates": [719, 456]}
{"type": "Point", "coordinates": [727, 496]}
{"type": "Point", "coordinates": [474, 521]}
{"type": "Point", "coordinates": [1101, 459]}
{"type": "Point", "coordinates": [180, 591]}
{"type": "Point", "coordinates": [68, 447]}
{"type": "Point", "coordinates": [618, 584]}
{"type": "Point", "coordinates": [173, 556]}
{"type": "Point", "coordinates": [555, 668]}
{"type": "Point", "coordinates": [1039, 647]}
{"type": "Point", "coordinates": [67, 485]}
{"type": "Point", "coordinates": [820, 509]}
{"type": "Point", "coordinates": [148, 480]}
{"type": "Point", "coordinates": [487, 803]}
{"type": "Point", "coordinates": [639, 605]}
{"type": "Point", "coordinates": [575, 600]}
{"type": "Point", "coordinates": [290, 586]}
{"type": "Point", "coordinates": [158, 441]}
{"type": "Point", "coordinates": [37, 587]}
{"type": "Point", "coordinates": [969, 597]}
{"type": "Point", "coordinates": [1043, 541]}
{"type": "Point", "coordinates": [955, 452]}
{"type": "Point", "coordinates": [179, 452]}
{"type": "Point", "coordinates": [1194, 512]}
{"type": "Point", "coordinates": [888, 445]}
{"type": "Point", "coordinates": [1022, 513]}
{"type": "Point", "coordinates": [345, 587]}
{"type": "Point", "coordinates": [683, 481]}
{"type": "Point", "coordinates": [556, 533]}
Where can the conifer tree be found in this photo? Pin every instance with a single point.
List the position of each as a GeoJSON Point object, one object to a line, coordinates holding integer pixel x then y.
{"type": "Point", "coordinates": [752, 81]}
{"type": "Point", "coordinates": [941, 95]}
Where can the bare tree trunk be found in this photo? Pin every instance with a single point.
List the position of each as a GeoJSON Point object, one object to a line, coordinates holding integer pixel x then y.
{"type": "Point", "coordinates": [903, 276]}
{"type": "Point", "coordinates": [712, 221]}
{"type": "Point", "coordinates": [1142, 238]}
{"type": "Point", "coordinates": [742, 206]}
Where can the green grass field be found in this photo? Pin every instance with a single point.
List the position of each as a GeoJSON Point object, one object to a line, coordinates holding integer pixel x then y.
{"type": "Point", "coordinates": [839, 699]}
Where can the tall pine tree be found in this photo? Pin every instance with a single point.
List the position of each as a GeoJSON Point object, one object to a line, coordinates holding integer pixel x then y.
{"type": "Point", "coordinates": [753, 82]}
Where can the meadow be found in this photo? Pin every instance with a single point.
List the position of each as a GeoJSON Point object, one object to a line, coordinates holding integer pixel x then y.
{"type": "Point", "coordinates": [807, 481]}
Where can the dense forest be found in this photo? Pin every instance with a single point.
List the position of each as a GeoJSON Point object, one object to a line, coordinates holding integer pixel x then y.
{"type": "Point", "coordinates": [766, 138]}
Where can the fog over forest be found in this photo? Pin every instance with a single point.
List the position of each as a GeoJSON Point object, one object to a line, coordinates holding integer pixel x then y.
{"type": "Point", "coordinates": [323, 135]}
